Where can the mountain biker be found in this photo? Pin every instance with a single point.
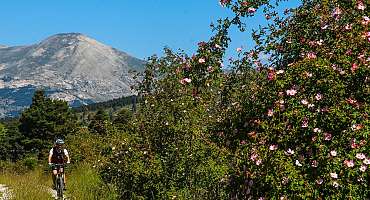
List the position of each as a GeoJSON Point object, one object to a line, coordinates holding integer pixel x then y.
{"type": "Point", "coordinates": [58, 155]}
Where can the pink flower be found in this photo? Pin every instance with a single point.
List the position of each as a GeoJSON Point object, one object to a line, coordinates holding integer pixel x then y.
{"type": "Point", "coordinates": [304, 123]}
{"type": "Point", "coordinates": [365, 20]}
{"type": "Point", "coordinates": [273, 147]}
{"type": "Point", "coordinates": [348, 27]}
{"type": "Point", "coordinates": [251, 10]}
{"type": "Point", "coordinates": [314, 163]}
{"type": "Point", "coordinates": [327, 136]}
{"type": "Point", "coordinates": [318, 96]}
{"type": "Point", "coordinates": [185, 80]}
{"type": "Point", "coordinates": [291, 92]}
{"type": "Point", "coordinates": [298, 163]}
{"type": "Point", "coordinates": [270, 112]}
{"type": "Point", "coordinates": [360, 156]}
{"type": "Point", "coordinates": [334, 175]}
{"type": "Point", "coordinates": [337, 12]}
{"type": "Point", "coordinates": [239, 49]}
{"type": "Point", "coordinates": [254, 157]}
{"type": "Point", "coordinates": [360, 5]}
{"type": "Point", "coordinates": [210, 69]}
{"type": "Point", "coordinates": [271, 75]}
{"type": "Point", "coordinates": [258, 162]}
{"type": "Point", "coordinates": [311, 55]}
{"type": "Point", "coordinates": [354, 67]}
{"type": "Point", "coordinates": [349, 163]}
{"type": "Point", "coordinates": [201, 60]}
{"type": "Point", "coordinates": [224, 2]}
{"type": "Point", "coordinates": [363, 168]}
{"type": "Point", "coordinates": [353, 144]}
{"type": "Point", "coordinates": [319, 181]}
{"type": "Point", "coordinates": [333, 153]}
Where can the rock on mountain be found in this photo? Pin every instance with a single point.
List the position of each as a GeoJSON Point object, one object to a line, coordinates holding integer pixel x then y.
{"type": "Point", "coordinates": [69, 66]}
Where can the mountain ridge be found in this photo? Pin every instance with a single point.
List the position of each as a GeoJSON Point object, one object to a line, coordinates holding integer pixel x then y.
{"type": "Point", "coordinates": [72, 66]}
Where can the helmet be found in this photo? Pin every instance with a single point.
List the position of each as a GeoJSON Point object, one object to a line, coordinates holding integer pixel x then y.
{"type": "Point", "coordinates": [59, 141]}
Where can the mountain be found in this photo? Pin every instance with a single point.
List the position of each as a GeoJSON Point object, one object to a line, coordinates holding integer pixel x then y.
{"type": "Point", "coordinates": [68, 66]}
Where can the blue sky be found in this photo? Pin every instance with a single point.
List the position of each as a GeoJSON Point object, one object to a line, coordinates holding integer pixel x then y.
{"type": "Point", "coordinates": [140, 28]}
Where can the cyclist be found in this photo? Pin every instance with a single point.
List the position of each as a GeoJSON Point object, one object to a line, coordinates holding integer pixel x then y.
{"type": "Point", "coordinates": [58, 155]}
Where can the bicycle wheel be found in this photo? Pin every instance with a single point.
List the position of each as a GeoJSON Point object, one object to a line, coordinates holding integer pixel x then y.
{"type": "Point", "coordinates": [61, 188]}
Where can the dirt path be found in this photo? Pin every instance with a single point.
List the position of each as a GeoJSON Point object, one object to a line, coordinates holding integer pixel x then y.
{"type": "Point", "coordinates": [4, 192]}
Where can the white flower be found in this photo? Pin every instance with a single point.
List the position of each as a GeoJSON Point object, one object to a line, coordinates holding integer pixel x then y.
{"type": "Point", "coordinates": [335, 184]}
{"type": "Point", "coordinates": [334, 175]}
{"type": "Point", "coordinates": [363, 168]}
{"type": "Point", "coordinates": [319, 181]}
{"type": "Point", "coordinates": [273, 147]}
{"type": "Point", "coordinates": [360, 156]}
{"type": "Point", "coordinates": [317, 130]}
{"type": "Point", "coordinates": [289, 152]}
{"type": "Point", "coordinates": [333, 153]}
{"type": "Point", "coordinates": [304, 101]}
{"type": "Point", "coordinates": [291, 92]}
{"type": "Point", "coordinates": [280, 71]}
{"type": "Point", "coordinates": [298, 163]}
{"type": "Point", "coordinates": [367, 161]}
{"type": "Point", "coordinates": [201, 60]}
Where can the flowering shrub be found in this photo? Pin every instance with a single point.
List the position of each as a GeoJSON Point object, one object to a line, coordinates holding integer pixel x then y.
{"type": "Point", "coordinates": [293, 127]}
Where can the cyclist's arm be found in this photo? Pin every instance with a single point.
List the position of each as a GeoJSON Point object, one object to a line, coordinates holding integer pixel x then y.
{"type": "Point", "coordinates": [50, 155]}
{"type": "Point", "coordinates": [67, 155]}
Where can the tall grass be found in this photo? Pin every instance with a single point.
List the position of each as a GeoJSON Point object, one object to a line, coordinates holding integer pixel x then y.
{"type": "Point", "coordinates": [31, 186]}
{"type": "Point", "coordinates": [85, 183]}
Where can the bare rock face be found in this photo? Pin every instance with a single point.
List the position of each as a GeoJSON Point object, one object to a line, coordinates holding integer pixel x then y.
{"type": "Point", "coordinates": [71, 66]}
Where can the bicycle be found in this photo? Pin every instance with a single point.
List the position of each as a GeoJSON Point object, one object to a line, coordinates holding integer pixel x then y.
{"type": "Point", "coordinates": [59, 180]}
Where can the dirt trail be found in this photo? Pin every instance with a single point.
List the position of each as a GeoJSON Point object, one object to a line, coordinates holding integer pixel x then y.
{"type": "Point", "coordinates": [4, 192]}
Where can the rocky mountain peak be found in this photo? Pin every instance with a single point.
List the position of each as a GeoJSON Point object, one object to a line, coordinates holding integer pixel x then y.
{"type": "Point", "coordinates": [73, 65]}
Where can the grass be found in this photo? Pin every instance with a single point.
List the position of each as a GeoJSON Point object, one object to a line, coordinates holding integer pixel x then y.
{"type": "Point", "coordinates": [30, 186]}
{"type": "Point", "coordinates": [83, 183]}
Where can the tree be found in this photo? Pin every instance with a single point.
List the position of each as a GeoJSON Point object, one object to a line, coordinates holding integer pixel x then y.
{"type": "Point", "coordinates": [44, 121]}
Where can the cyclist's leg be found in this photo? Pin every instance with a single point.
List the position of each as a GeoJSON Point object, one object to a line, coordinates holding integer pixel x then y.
{"type": "Point", "coordinates": [64, 176]}
{"type": "Point", "coordinates": [54, 174]}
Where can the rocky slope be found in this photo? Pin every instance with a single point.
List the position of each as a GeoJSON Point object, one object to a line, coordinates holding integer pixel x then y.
{"type": "Point", "coordinates": [69, 66]}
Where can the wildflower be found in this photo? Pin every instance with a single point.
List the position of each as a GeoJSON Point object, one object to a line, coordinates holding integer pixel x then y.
{"type": "Point", "coordinates": [334, 175]}
{"type": "Point", "coordinates": [289, 152]}
{"type": "Point", "coordinates": [291, 92]}
{"type": "Point", "coordinates": [217, 46]}
{"type": "Point", "coordinates": [298, 163]}
{"type": "Point", "coordinates": [270, 112]}
{"type": "Point", "coordinates": [348, 27]}
{"type": "Point", "coordinates": [239, 49]}
{"type": "Point", "coordinates": [280, 71]}
{"type": "Point", "coordinates": [349, 163]}
{"type": "Point", "coordinates": [365, 20]}
{"type": "Point", "coordinates": [360, 156]}
{"type": "Point", "coordinates": [258, 162]}
{"type": "Point", "coordinates": [254, 157]}
{"type": "Point", "coordinates": [333, 153]}
{"type": "Point", "coordinates": [363, 168]}
{"type": "Point", "coordinates": [311, 55]}
{"type": "Point", "coordinates": [273, 147]}
{"type": "Point", "coordinates": [318, 96]}
{"type": "Point", "coordinates": [360, 5]}
{"type": "Point", "coordinates": [366, 161]}
{"type": "Point", "coordinates": [314, 163]}
{"type": "Point", "coordinates": [327, 136]}
{"type": "Point", "coordinates": [201, 60]}
{"type": "Point", "coordinates": [335, 184]}
{"type": "Point", "coordinates": [311, 105]}
{"type": "Point", "coordinates": [304, 123]}
{"type": "Point", "coordinates": [304, 101]}
{"type": "Point", "coordinates": [337, 12]}
{"type": "Point", "coordinates": [251, 10]}
{"type": "Point", "coordinates": [319, 181]}
{"type": "Point", "coordinates": [224, 2]}
{"type": "Point", "coordinates": [354, 67]}
{"type": "Point", "coordinates": [317, 130]}
{"type": "Point", "coordinates": [210, 69]}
